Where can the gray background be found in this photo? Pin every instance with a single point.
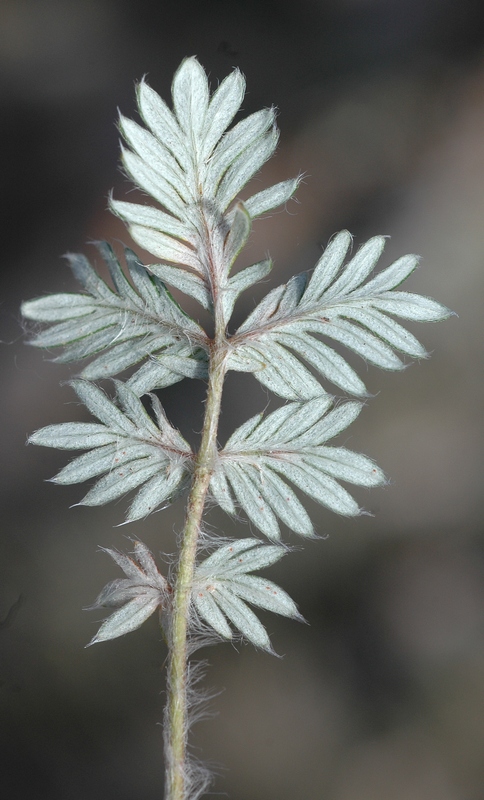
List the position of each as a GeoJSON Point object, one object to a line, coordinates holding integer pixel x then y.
{"type": "Point", "coordinates": [382, 696]}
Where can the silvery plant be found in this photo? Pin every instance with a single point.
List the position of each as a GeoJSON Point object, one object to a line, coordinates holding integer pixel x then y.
{"type": "Point", "coordinates": [194, 165]}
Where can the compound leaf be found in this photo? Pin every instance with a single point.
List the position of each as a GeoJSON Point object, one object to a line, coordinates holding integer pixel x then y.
{"type": "Point", "coordinates": [135, 597]}
{"type": "Point", "coordinates": [222, 587]}
{"type": "Point", "coordinates": [336, 304]}
{"type": "Point", "coordinates": [290, 445]}
{"type": "Point", "coordinates": [121, 328]}
{"type": "Point", "coordinates": [195, 168]}
{"type": "Point", "coordinates": [128, 450]}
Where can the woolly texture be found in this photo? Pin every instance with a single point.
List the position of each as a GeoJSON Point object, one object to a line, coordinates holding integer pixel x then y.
{"type": "Point", "coordinates": [193, 165]}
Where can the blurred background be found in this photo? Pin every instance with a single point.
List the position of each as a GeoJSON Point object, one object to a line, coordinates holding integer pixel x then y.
{"type": "Point", "coordinates": [381, 696]}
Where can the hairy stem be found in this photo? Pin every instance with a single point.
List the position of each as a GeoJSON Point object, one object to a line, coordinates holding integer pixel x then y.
{"type": "Point", "coordinates": [176, 711]}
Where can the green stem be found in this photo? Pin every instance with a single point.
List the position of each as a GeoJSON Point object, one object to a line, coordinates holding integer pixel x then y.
{"type": "Point", "coordinates": [176, 712]}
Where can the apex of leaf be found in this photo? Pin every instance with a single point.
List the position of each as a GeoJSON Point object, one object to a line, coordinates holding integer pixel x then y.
{"type": "Point", "coordinates": [191, 162]}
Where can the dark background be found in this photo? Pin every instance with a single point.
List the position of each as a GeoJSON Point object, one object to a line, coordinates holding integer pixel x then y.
{"type": "Point", "coordinates": [382, 696]}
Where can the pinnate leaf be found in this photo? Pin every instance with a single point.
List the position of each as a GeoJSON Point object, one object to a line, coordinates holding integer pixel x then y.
{"type": "Point", "coordinates": [195, 168]}
{"type": "Point", "coordinates": [335, 304]}
{"type": "Point", "coordinates": [128, 450]}
{"type": "Point", "coordinates": [138, 321]}
{"type": "Point", "coordinates": [290, 445]}
{"type": "Point", "coordinates": [135, 597]}
{"type": "Point", "coordinates": [223, 586]}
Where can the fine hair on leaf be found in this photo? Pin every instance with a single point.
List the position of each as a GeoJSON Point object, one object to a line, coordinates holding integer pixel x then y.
{"type": "Point", "coordinates": [192, 161]}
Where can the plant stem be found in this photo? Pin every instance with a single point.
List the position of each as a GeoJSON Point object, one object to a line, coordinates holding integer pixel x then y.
{"type": "Point", "coordinates": [176, 723]}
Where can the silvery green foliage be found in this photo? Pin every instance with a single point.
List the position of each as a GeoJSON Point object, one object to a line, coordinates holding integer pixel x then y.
{"type": "Point", "coordinates": [223, 586]}
{"type": "Point", "coordinates": [127, 326]}
{"type": "Point", "coordinates": [127, 449]}
{"type": "Point", "coordinates": [189, 163]}
{"type": "Point", "coordinates": [135, 597]}
{"type": "Point", "coordinates": [334, 303]}
{"type": "Point", "coordinates": [194, 165]}
{"type": "Point", "coordinates": [290, 443]}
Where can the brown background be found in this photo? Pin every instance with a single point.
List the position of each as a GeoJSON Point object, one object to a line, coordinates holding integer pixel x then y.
{"type": "Point", "coordinates": [382, 696]}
